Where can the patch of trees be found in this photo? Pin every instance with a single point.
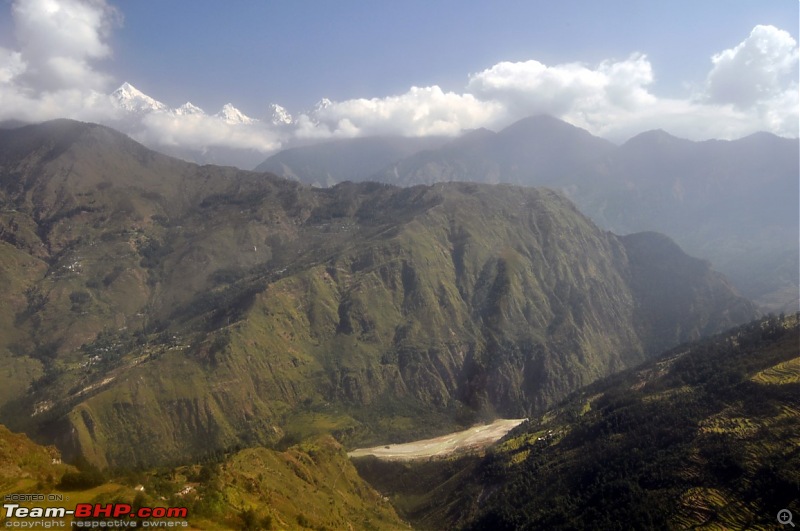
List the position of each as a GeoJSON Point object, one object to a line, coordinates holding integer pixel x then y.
{"type": "Point", "coordinates": [244, 199]}
{"type": "Point", "coordinates": [88, 476]}
{"type": "Point", "coordinates": [227, 275]}
{"type": "Point", "coordinates": [626, 462]}
{"type": "Point", "coordinates": [36, 301]}
{"type": "Point", "coordinates": [153, 253]}
{"type": "Point", "coordinates": [79, 299]}
{"type": "Point", "coordinates": [221, 306]}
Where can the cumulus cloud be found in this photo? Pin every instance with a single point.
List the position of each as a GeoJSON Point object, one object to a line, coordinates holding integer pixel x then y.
{"type": "Point", "coordinates": [11, 66]}
{"type": "Point", "coordinates": [199, 131]}
{"type": "Point", "coordinates": [55, 71]}
{"type": "Point", "coordinates": [750, 87]}
{"type": "Point", "coordinates": [531, 87]}
{"type": "Point", "coordinates": [754, 84]}
{"type": "Point", "coordinates": [58, 39]}
{"type": "Point", "coordinates": [759, 68]}
{"type": "Point", "coordinates": [419, 112]}
{"type": "Point", "coordinates": [51, 73]}
{"type": "Point", "coordinates": [573, 90]}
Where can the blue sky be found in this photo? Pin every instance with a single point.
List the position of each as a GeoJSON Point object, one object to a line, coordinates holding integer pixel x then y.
{"type": "Point", "coordinates": [295, 53]}
{"type": "Point", "coordinates": [698, 69]}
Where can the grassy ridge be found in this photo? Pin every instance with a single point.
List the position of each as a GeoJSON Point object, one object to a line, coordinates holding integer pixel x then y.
{"type": "Point", "coordinates": [705, 436]}
{"type": "Point", "coordinates": [312, 485]}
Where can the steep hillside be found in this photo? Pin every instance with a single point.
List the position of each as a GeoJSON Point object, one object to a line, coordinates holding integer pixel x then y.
{"type": "Point", "coordinates": [162, 311]}
{"type": "Point", "coordinates": [732, 202]}
{"type": "Point", "coordinates": [24, 463]}
{"type": "Point", "coordinates": [705, 436]}
{"type": "Point", "coordinates": [313, 485]}
{"type": "Point", "coordinates": [27, 468]}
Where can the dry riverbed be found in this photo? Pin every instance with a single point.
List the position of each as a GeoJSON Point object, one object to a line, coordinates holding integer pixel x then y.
{"type": "Point", "coordinates": [475, 438]}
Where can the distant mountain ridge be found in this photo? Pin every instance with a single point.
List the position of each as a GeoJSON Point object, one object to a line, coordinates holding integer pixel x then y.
{"type": "Point", "coordinates": [158, 311]}
{"type": "Point", "coordinates": [733, 202]}
{"type": "Point", "coordinates": [329, 163]}
{"type": "Point", "coordinates": [130, 99]}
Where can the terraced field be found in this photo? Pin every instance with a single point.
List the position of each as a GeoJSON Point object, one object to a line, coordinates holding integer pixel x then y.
{"type": "Point", "coordinates": [781, 374]}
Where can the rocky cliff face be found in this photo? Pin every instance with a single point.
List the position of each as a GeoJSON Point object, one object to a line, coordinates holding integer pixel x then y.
{"type": "Point", "coordinates": [161, 310]}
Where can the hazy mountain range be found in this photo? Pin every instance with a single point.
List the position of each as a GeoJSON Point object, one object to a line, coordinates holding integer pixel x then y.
{"type": "Point", "coordinates": [732, 202]}
{"type": "Point", "coordinates": [158, 310]}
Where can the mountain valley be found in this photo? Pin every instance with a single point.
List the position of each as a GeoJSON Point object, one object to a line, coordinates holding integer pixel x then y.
{"type": "Point", "coordinates": [159, 311]}
{"type": "Point", "coordinates": [383, 266]}
{"type": "Point", "coordinates": [218, 339]}
{"type": "Point", "coordinates": [704, 436]}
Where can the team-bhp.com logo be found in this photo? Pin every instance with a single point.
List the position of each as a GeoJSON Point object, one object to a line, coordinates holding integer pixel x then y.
{"type": "Point", "coordinates": [92, 515]}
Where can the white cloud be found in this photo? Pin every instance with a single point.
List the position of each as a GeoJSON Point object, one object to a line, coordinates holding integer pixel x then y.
{"type": "Point", "coordinates": [420, 111]}
{"type": "Point", "coordinates": [55, 71]}
{"type": "Point", "coordinates": [751, 87]}
{"type": "Point", "coordinates": [758, 69]}
{"type": "Point", "coordinates": [780, 113]}
{"type": "Point", "coordinates": [21, 104]}
{"type": "Point", "coordinates": [200, 131]}
{"type": "Point", "coordinates": [11, 65]}
{"type": "Point", "coordinates": [573, 90]}
{"type": "Point", "coordinates": [59, 38]}
{"type": "Point", "coordinates": [531, 87]}
{"type": "Point", "coordinates": [51, 75]}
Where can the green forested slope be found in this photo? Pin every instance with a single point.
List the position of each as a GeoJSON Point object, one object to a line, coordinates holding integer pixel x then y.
{"type": "Point", "coordinates": [160, 311]}
{"type": "Point", "coordinates": [312, 485]}
{"type": "Point", "coordinates": [732, 202]}
{"type": "Point", "coordinates": [705, 436]}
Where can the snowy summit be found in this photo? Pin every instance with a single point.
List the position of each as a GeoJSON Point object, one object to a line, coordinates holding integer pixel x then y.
{"type": "Point", "coordinates": [188, 109]}
{"type": "Point", "coordinates": [232, 115]}
{"type": "Point", "coordinates": [279, 115]}
{"type": "Point", "coordinates": [131, 99]}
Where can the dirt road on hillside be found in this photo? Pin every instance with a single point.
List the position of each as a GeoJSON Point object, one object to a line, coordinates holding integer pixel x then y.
{"type": "Point", "coordinates": [474, 438]}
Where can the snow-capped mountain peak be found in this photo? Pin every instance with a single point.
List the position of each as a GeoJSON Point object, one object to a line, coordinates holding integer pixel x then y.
{"type": "Point", "coordinates": [279, 115]}
{"type": "Point", "coordinates": [321, 105]}
{"type": "Point", "coordinates": [131, 99]}
{"type": "Point", "coordinates": [188, 109]}
{"type": "Point", "coordinates": [232, 115]}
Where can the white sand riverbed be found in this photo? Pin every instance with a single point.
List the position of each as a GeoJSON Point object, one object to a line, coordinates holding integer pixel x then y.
{"type": "Point", "coordinates": [474, 438]}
